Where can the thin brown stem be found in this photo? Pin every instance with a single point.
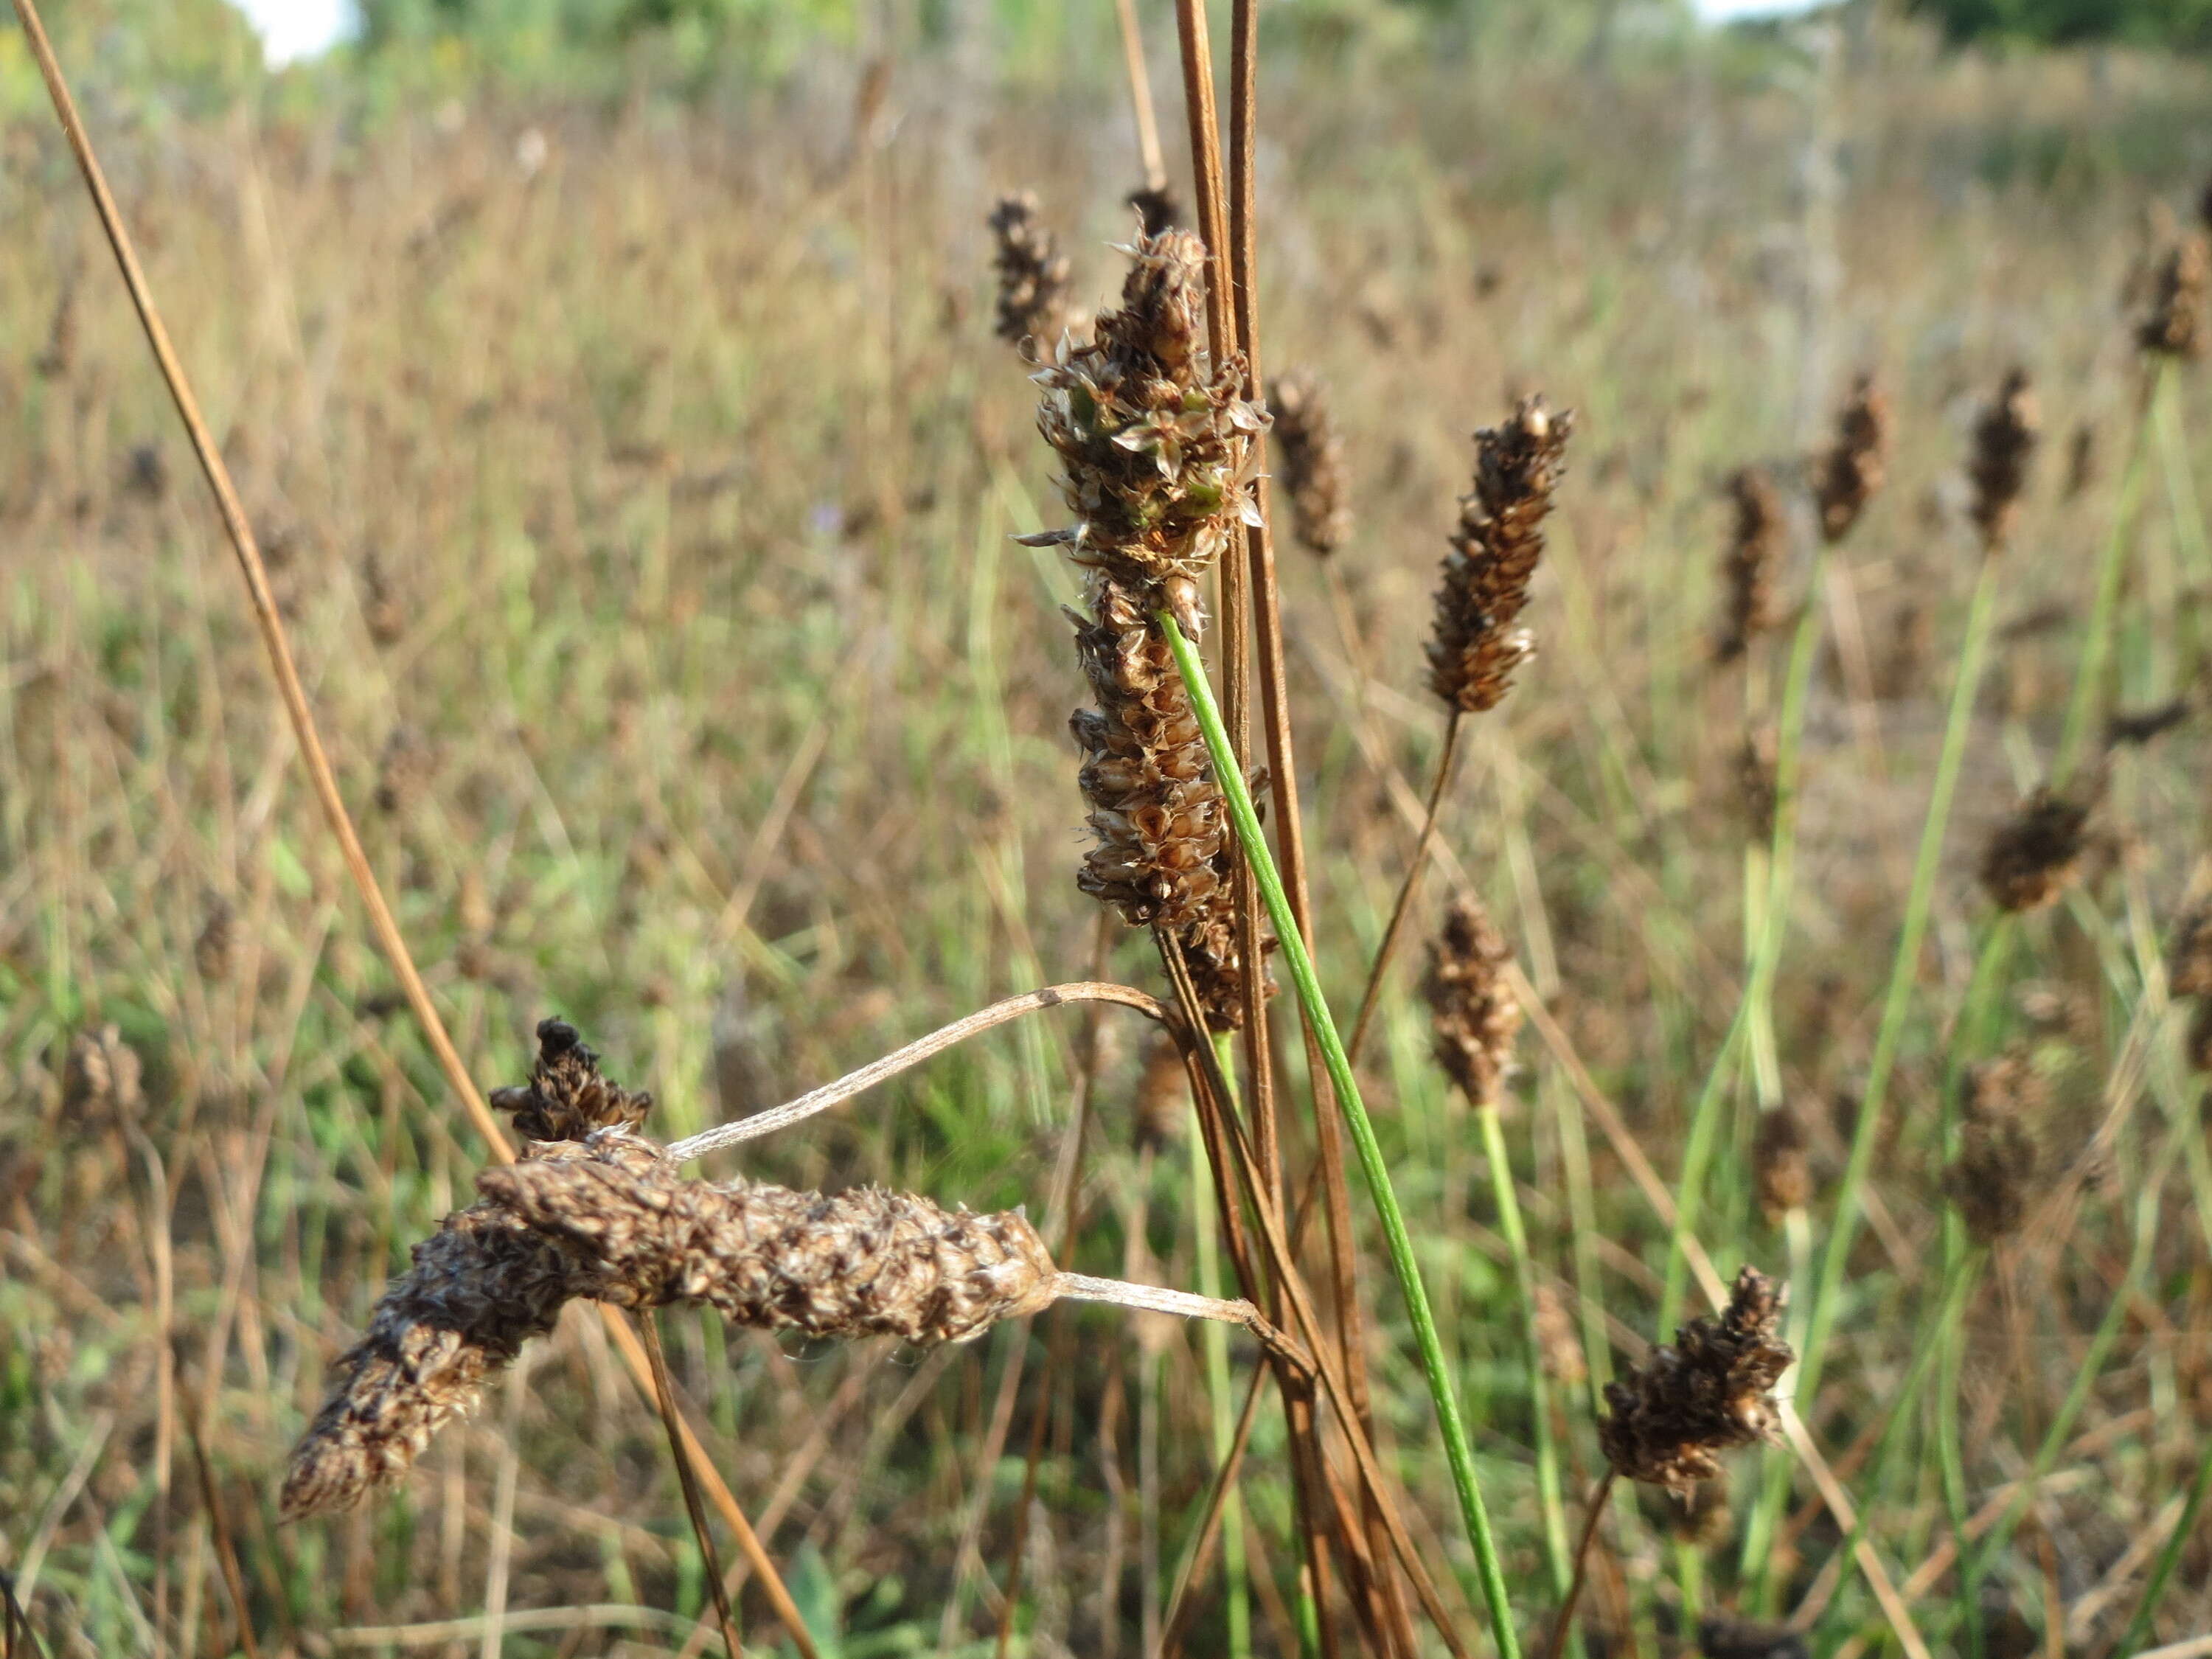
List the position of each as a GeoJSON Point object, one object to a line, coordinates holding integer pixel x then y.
{"type": "Point", "coordinates": [226, 1551]}
{"type": "Point", "coordinates": [1372, 997]}
{"type": "Point", "coordinates": [1140, 97]}
{"type": "Point", "coordinates": [1566, 1617]}
{"type": "Point", "coordinates": [900, 1060]}
{"type": "Point", "coordinates": [665, 1392]}
{"type": "Point", "coordinates": [301, 718]}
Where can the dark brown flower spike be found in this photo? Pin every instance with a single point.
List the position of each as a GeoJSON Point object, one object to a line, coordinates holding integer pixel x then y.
{"type": "Point", "coordinates": [1754, 549]}
{"type": "Point", "coordinates": [1032, 277]}
{"type": "Point", "coordinates": [1856, 463]}
{"type": "Point", "coordinates": [2173, 326]}
{"type": "Point", "coordinates": [1475, 645]}
{"type": "Point", "coordinates": [1472, 1012]}
{"type": "Point", "coordinates": [1309, 459]}
{"type": "Point", "coordinates": [1710, 1391]}
{"type": "Point", "coordinates": [2034, 855]}
{"type": "Point", "coordinates": [2005, 437]}
{"type": "Point", "coordinates": [1780, 1165]}
{"type": "Point", "coordinates": [1989, 1179]}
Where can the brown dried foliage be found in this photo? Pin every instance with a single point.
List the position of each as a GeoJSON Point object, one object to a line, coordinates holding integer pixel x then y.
{"type": "Point", "coordinates": [1309, 458]}
{"type": "Point", "coordinates": [1473, 1017]}
{"type": "Point", "coordinates": [1747, 569]}
{"type": "Point", "coordinates": [1856, 463]}
{"type": "Point", "coordinates": [1475, 647]}
{"type": "Point", "coordinates": [1707, 1392]}
{"type": "Point", "coordinates": [2005, 437]}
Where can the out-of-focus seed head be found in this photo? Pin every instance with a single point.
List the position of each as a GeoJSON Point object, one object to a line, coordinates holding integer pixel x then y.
{"type": "Point", "coordinates": [1755, 540]}
{"type": "Point", "coordinates": [1032, 277]}
{"type": "Point", "coordinates": [1558, 1341]}
{"type": "Point", "coordinates": [1708, 1391]}
{"type": "Point", "coordinates": [1858, 460]}
{"type": "Point", "coordinates": [1723, 1637]}
{"type": "Point", "coordinates": [1162, 1106]}
{"type": "Point", "coordinates": [2196, 1048]}
{"type": "Point", "coordinates": [1703, 1519]}
{"type": "Point", "coordinates": [1989, 1180]}
{"type": "Point", "coordinates": [211, 950]}
{"type": "Point", "coordinates": [1309, 458]}
{"type": "Point", "coordinates": [1474, 1015]}
{"type": "Point", "coordinates": [2189, 959]}
{"type": "Point", "coordinates": [2005, 437]}
{"type": "Point", "coordinates": [2080, 459]}
{"type": "Point", "coordinates": [1158, 210]}
{"type": "Point", "coordinates": [1780, 1163]}
{"type": "Point", "coordinates": [102, 1077]}
{"type": "Point", "coordinates": [381, 606]}
{"type": "Point", "coordinates": [2173, 326]}
{"type": "Point", "coordinates": [2133, 728]}
{"type": "Point", "coordinates": [1475, 645]}
{"type": "Point", "coordinates": [404, 771]}
{"type": "Point", "coordinates": [1155, 437]}
{"type": "Point", "coordinates": [1757, 781]}
{"type": "Point", "coordinates": [2034, 855]}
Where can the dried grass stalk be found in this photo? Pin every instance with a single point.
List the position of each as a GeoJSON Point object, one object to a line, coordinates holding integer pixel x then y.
{"type": "Point", "coordinates": [1669, 1417]}
{"type": "Point", "coordinates": [1475, 647]}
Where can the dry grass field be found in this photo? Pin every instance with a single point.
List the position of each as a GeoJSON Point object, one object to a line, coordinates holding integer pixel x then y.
{"type": "Point", "coordinates": [639, 484]}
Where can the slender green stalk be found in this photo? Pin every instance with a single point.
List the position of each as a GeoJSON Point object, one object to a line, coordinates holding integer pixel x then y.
{"type": "Point", "coordinates": [1219, 1389]}
{"type": "Point", "coordinates": [2097, 643]}
{"type": "Point", "coordinates": [1458, 1453]}
{"type": "Point", "coordinates": [1557, 1554]}
{"type": "Point", "coordinates": [1897, 1004]}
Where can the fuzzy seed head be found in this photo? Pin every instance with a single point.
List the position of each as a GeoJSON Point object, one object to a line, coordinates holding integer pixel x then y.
{"type": "Point", "coordinates": [566, 1098]}
{"type": "Point", "coordinates": [2005, 437]}
{"type": "Point", "coordinates": [1748, 570]}
{"type": "Point", "coordinates": [1989, 1179]}
{"type": "Point", "coordinates": [2173, 326]}
{"type": "Point", "coordinates": [1757, 781]}
{"type": "Point", "coordinates": [1154, 436]}
{"type": "Point", "coordinates": [212, 949]}
{"type": "Point", "coordinates": [1780, 1165]}
{"type": "Point", "coordinates": [1163, 1097]}
{"type": "Point", "coordinates": [1722, 1636]}
{"type": "Point", "coordinates": [2189, 959]}
{"type": "Point", "coordinates": [1475, 645]}
{"type": "Point", "coordinates": [1856, 463]}
{"type": "Point", "coordinates": [102, 1077]}
{"type": "Point", "coordinates": [1032, 277]}
{"type": "Point", "coordinates": [1710, 1390]}
{"type": "Point", "coordinates": [1309, 457]}
{"type": "Point", "coordinates": [1474, 1015]}
{"type": "Point", "coordinates": [2034, 855]}
{"type": "Point", "coordinates": [1157, 211]}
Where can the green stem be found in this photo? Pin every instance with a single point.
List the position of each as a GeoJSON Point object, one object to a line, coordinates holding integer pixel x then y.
{"type": "Point", "coordinates": [2138, 1629]}
{"type": "Point", "coordinates": [1557, 1554]}
{"type": "Point", "coordinates": [1897, 1004]}
{"type": "Point", "coordinates": [1458, 1453]}
{"type": "Point", "coordinates": [2096, 645]}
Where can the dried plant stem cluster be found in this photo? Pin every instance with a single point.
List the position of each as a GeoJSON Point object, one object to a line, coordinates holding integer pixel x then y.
{"type": "Point", "coordinates": [1475, 647]}
{"type": "Point", "coordinates": [596, 1211]}
{"type": "Point", "coordinates": [1857, 461]}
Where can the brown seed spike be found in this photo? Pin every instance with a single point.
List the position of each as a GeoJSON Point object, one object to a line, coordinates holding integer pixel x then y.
{"type": "Point", "coordinates": [1032, 277]}
{"type": "Point", "coordinates": [1310, 456]}
{"type": "Point", "coordinates": [1779, 1164]}
{"type": "Point", "coordinates": [1758, 782]}
{"type": "Point", "coordinates": [1162, 1107]}
{"type": "Point", "coordinates": [1856, 462]}
{"type": "Point", "coordinates": [1721, 1637]}
{"type": "Point", "coordinates": [1475, 647]}
{"type": "Point", "coordinates": [2005, 437]}
{"type": "Point", "coordinates": [1158, 210]}
{"type": "Point", "coordinates": [1747, 569]}
{"type": "Point", "coordinates": [1472, 1012]}
{"type": "Point", "coordinates": [1988, 1179]}
{"type": "Point", "coordinates": [2173, 326]}
{"type": "Point", "coordinates": [2034, 855]}
{"type": "Point", "coordinates": [1154, 436]}
{"type": "Point", "coordinates": [861, 1263]}
{"type": "Point", "coordinates": [2189, 959]}
{"type": "Point", "coordinates": [566, 1097]}
{"type": "Point", "coordinates": [1669, 1417]}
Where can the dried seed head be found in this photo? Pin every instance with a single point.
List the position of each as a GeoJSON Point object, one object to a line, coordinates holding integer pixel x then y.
{"type": "Point", "coordinates": [2005, 437]}
{"type": "Point", "coordinates": [1669, 1417]}
{"type": "Point", "coordinates": [478, 1289]}
{"type": "Point", "coordinates": [1159, 820]}
{"type": "Point", "coordinates": [1558, 1341]}
{"type": "Point", "coordinates": [1475, 647]}
{"type": "Point", "coordinates": [2173, 326]}
{"type": "Point", "coordinates": [1309, 456]}
{"type": "Point", "coordinates": [1757, 782]}
{"type": "Point", "coordinates": [1779, 1162]}
{"type": "Point", "coordinates": [101, 1077]}
{"type": "Point", "coordinates": [2189, 959]}
{"type": "Point", "coordinates": [1215, 965]}
{"type": "Point", "coordinates": [402, 772]}
{"type": "Point", "coordinates": [1747, 569]}
{"type": "Point", "coordinates": [1163, 1098]}
{"type": "Point", "coordinates": [2196, 1048]}
{"type": "Point", "coordinates": [380, 608]}
{"type": "Point", "coordinates": [1154, 436]}
{"type": "Point", "coordinates": [1988, 1179]}
{"type": "Point", "coordinates": [2133, 728]}
{"type": "Point", "coordinates": [1854, 464]}
{"type": "Point", "coordinates": [1158, 209]}
{"type": "Point", "coordinates": [1721, 1637]}
{"type": "Point", "coordinates": [861, 1263]}
{"type": "Point", "coordinates": [1032, 277]}
{"type": "Point", "coordinates": [1472, 1013]}
{"type": "Point", "coordinates": [565, 1098]}
{"type": "Point", "coordinates": [2034, 855]}
{"type": "Point", "coordinates": [211, 950]}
